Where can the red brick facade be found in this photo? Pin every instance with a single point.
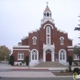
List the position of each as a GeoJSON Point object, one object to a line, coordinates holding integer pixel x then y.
{"type": "Point", "coordinates": [41, 39]}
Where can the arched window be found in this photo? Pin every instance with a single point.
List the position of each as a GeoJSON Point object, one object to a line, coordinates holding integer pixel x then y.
{"type": "Point", "coordinates": [48, 30]}
{"type": "Point", "coordinates": [62, 55]}
{"type": "Point", "coordinates": [34, 40]}
{"type": "Point", "coordinates": [50, 14]}
{"type": "Point", "coordinates": [34, 55]}
{"type": "Point", "coordinates": [47, 14]}
{"type": "Point", "coordinates": [44, 14]}
{"type": "Point", "coordinates": [61, 40]}
{"type": "Point", "coordinates": [48, 35]}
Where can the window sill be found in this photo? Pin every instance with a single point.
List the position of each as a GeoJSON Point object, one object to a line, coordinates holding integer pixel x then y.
{"type": "Point", "coordinates": [76, 59]}
{"type": "Point", "coordinates": [20, 59]}
{"type": "Point", "coordinates": [34, 44]}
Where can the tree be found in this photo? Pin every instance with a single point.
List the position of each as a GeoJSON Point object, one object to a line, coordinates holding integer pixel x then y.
{"type": "Point", "coordinates": [70, 63]}
{"type": "Point", "coordinates": [11, 60]}
{"type": "Point", "coordinates": [77, 51]}
{"type": "Point", "coordinates": [4, 52]}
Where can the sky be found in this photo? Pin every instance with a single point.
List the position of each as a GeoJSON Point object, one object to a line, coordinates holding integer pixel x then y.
{"type": "Point", "coordinates": [19, 17]}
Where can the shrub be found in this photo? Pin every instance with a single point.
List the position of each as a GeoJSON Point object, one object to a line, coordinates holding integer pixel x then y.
{"type": "Point", "coordinates": [11, 60]}
{"type": "Point", "coordinates": [61, 71]}
{"type": "Point", "coordinates": [27, 60]}
{"type": "Point", "coordinates": [76, 70]}
{"type": "Point", "coordinates": [67, 70]}
{"type": "Point", "coordinates": [69, 67]}
{"type": "Point", "coordinates": [20, 63]}
{"type": "Point", "coordinates": [23, 61]}
{"type": "Point", "coordinates": [76, 64]}
{"type": "Point", "coordinates": [70, 60]}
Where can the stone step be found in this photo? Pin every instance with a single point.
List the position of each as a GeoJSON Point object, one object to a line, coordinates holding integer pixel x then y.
{"type": "Point", "coordinates": [50, 64]}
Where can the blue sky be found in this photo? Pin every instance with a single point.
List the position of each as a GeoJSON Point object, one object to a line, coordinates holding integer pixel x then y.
{"type": "Point", "coordinates": [19, 17]}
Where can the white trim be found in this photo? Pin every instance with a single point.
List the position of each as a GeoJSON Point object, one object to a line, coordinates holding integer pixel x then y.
{"type": "Point", "coordinates": [22, 49]}
{"type": "Point", "coordinates": [51, 47]}
{"type": "Point", "coordinates": [61, 37]}
{"type": "Point", "coordinates": [70, 50]}
{"type": "Point", "coordinates": [61, 40]}
{"type": "Point", "coordinates": [65, 55]}
{"type": "Point", "coordinates": [49, 25]}
{"type": "Point", "coordinates": [34, 37]}
{"type": "Point", "coordinates": [76, 59]}
{"type": "Point", "coordinates": [34, 40]}
{"type": "Point", "coordinates": [31, 56]}
{"type": "Point", "coordinates": [70, 46]}
{"type": "Point", "coordinates": [20, 53]}
{"type": "Point", "coordinates": [22, 46]}
{"type": "Point", "coordinates": [50, 17]}
{"type": "Point", "coordinates": [48, 37]}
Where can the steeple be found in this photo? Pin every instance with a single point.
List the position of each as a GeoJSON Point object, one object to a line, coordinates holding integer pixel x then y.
{"type": "Point", "coordinates": [47, 15]}
{"type": "Point", "coordinates": [47, 9]}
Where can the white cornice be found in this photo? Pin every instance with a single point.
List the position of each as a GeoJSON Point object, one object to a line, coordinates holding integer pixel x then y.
{"type": "Point", "coordinates": [70, 46]}
{"type": "Point", "coordinates": [22, 49]}
{"type": "Point", "coordinates": [70, 50]}
{"type": "Point", "coordinates": [22, 46]}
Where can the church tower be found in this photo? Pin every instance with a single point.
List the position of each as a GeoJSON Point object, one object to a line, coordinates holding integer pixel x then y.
{"type": "Point", "coordinates": [47, 15]}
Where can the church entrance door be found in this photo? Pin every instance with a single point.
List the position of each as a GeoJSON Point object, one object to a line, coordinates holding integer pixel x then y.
{"type": "Point", "coordinates": [48, 57]}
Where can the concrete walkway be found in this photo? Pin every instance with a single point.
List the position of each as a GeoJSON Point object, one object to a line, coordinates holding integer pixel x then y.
{"type": "Point", "coordinates": [26, 74]}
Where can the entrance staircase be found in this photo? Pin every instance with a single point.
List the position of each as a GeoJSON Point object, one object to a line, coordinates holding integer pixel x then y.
{"type": "Point", "coordinates": [50, 64]}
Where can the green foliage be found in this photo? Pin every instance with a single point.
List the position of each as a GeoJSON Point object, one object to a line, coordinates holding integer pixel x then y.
{"type": "Point", "coordinates": [4, 52]}
{"type": "Point", "coordinates": [27, 60]}
{"type": "Point", "coordinates": [67, 70]}
{"type": "Point", "coordinates": [70, 60]}
{"type": "Point", "coordinates": [76, 64]}
{"type": "Point", "coordinates": [77, 70]}
{"type": "Point", "coordinates": [11, 60]}
{"type": "Point", "coordinates": [77, 50]}
{"type": "Point", "coordinates": [61, 71]}
{"type": "Point", "coordinates": [70, 63]}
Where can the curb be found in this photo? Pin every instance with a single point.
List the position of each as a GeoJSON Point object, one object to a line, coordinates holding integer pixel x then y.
{"type": "Point", "coordinates": [64, 76]}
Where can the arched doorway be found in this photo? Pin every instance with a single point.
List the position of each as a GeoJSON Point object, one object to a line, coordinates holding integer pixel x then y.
{"type": "Point", "coordinates": [48, 55]}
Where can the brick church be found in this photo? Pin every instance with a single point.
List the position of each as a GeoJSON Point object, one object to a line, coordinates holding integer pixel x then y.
{"type": "Point", "coordinates": [45, 44]}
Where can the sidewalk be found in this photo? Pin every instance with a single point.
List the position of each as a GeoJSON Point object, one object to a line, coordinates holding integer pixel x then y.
{"type": "Point", "coordinates": [26, 74]}
{"type": "Point", "coordinates": [26, 67]}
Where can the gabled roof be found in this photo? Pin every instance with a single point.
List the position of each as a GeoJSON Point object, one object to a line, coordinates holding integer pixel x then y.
{"type": "Point", "coordinates": [47, 9]}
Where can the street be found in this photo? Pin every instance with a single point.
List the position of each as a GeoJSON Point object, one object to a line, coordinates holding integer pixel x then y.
{"type": "Point", "coordinates": [55, 78]}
